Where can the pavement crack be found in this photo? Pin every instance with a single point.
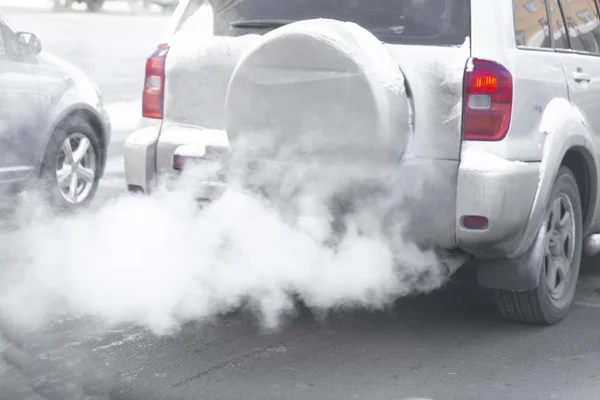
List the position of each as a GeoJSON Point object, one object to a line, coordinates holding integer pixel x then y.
{"type": "Point", "coordinates": [231, 363]}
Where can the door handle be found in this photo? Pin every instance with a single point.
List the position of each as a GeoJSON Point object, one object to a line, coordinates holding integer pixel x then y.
{"type": "Point", "coordinates": [580, 76]}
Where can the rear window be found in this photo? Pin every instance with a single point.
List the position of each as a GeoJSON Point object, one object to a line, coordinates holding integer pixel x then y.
{"type": "Point", "coordinates": [425, 22]}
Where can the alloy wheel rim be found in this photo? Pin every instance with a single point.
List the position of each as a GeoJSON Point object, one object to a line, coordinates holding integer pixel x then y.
{"type": "Point", "coordinates": [76, 168]}
{"type": "Point", "coordinates": [560, 246]}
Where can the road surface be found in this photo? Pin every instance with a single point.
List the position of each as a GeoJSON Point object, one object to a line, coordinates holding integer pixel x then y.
{"type": "Point", "coordinates": [449, 345]}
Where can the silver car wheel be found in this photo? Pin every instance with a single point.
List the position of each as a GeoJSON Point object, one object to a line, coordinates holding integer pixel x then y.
{"type": "Point", "coordinates": [76, 168]}
{"type": "Point", "coordinates": [560, 248]}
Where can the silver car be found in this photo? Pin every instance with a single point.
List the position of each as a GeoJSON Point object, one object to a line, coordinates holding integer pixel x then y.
{"type": "Point", "coordinates": [496, 126]}
{"type": "Point", "coordinates": [54, 131]}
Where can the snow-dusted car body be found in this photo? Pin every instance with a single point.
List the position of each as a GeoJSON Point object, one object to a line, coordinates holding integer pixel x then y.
{"type": "Point", "coordinates": [493, 121]}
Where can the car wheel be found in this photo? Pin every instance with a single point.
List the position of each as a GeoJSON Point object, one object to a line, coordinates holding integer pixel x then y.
{"type": "Point", "coordinates": [60, 5]}
{"type": "Point", "coordinates": [550, 302]}
{"type": "Point", "coordinates": [94, 5]}
{"type": "Point", "coordinates": [71, 167]}
{"type": "Point", "coordinates": [169, 8]}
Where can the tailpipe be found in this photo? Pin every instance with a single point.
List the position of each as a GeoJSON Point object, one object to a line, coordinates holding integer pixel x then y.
{"type": "Point", "coordinates": [591, 245]}
{"type": "Point", "coordinates": [453, 260]}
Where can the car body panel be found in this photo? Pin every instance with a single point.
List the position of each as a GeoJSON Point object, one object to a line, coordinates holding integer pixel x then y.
{"type": "Point", "coordinates": [434, 144]}
{"type": "Point", "coordinates": [19, 118]}
{"type": "Point", "coordinates": [583, 96]}
{"type": "Point", "coordinates": [65, 89]}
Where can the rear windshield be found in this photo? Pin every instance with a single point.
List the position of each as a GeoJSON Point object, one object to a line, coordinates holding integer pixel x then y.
{"type": "Point", "coordinates": [425, 22]}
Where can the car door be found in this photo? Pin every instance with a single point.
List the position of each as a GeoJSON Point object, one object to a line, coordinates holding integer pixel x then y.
{"type": "Point", "coordinates": [19, 109]}
{"type": "Point", "coordinates": [581, 60]}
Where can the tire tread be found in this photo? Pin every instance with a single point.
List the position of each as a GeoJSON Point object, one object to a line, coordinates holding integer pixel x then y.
{"type": "Point", "coordinates": [521, 307]}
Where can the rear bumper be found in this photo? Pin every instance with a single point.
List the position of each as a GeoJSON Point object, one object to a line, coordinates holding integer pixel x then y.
{"type": "Point", "coordinates": [428, 192]}
{"type": "Point", "coordinates": [140, 159]}
{"type": "Point", "coordinates": [173, 136]}
{"type": "Point", "coordinates": [437, 193]}
{"type": "Point", "coordinates": [504, 194]}
{"type": "Point", "coordinates": [149, 161]}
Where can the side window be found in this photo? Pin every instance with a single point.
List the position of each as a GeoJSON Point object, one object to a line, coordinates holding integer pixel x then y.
{"type": "Point", "coordinates": [8, 49]}
{"type": "Point", "coordinates": [559, 31]}
{"type": "Point", "coordinates": [532, 28]}
{"type": "Point", "coordinates": [582, 24]}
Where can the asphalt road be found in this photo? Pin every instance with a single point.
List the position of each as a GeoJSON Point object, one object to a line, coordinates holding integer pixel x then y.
{"type": "Point", "coordinates": [448, 345]}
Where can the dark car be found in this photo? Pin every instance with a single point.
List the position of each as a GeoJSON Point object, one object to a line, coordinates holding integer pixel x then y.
{"type": "Point", "coordinates": [54, 130]}
{"type": "Point", "coordinates": [96, 5]}
{"type": "Point", "coordinates": [92, 5]}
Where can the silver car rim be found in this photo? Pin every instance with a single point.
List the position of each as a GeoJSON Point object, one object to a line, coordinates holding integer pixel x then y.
{"type": "Point", "coordinates": [76, 168]}
{"type": "Point", "coordinates": [560, 248]}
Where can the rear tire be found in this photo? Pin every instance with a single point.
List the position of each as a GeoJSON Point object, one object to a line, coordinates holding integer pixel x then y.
{"type": "Point", "coordinates": [169, 8]}
{"type": "Point", "coordinates": [550, 302]}
{"type": "Point", "coordinates": [61, 5]}
{"type": "Point", "coordinates": [57, 177]}
{"type": "Point", "coordinates": [94, 5]}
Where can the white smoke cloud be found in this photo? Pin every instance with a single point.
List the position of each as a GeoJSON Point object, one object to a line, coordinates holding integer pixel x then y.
{"type": "Point", "coordinates": [161, 261]}
{"type": "Point", "coordinates": [328, 228]}
{"type": "Point", "coordinates": [329, 231]}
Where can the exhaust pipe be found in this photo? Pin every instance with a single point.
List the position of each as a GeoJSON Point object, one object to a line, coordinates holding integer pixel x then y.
{"type": "Point", "coordinates": [453, 260]}
{"type": "Point", "coordinates": [591, 245]}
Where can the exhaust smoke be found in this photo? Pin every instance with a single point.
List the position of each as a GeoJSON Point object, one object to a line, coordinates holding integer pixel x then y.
{"type": "Point", "coordinates": [324, 216]}
{"type": "Point", "coordinates": [298, 220]}
{"type": "Point", "coordinates": [332, 237]}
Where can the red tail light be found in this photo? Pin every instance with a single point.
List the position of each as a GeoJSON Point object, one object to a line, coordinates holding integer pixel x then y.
{"type": "Point", "coordinates": [154, 83]}
{"type": "Point", "coordinates": [487, 101]}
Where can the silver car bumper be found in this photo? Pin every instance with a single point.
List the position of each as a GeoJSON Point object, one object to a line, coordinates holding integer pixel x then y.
{"type": "Point", "coordinates": [149, 152]}
{"type": "Point", "coordinates": [140, 159]}
{"type": "Point", "coordinates": [505, 196]}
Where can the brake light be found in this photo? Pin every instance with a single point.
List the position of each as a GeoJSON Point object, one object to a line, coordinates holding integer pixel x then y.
{"type": "Point", "coordinates": [487, 101]}
{"type": "Point", "coordinates": [154, 83]}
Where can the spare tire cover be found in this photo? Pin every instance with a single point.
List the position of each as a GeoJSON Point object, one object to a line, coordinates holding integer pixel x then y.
{"type": "Point", "coordinates": [323, 86]}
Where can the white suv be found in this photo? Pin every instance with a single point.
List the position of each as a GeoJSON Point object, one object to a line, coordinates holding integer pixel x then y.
{"type": "Point", "coordinates": [490, 109]}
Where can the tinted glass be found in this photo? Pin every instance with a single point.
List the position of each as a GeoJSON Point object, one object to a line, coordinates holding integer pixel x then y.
{"type": "Point", "coordinates": [4, 33]}
{"type": "Point", "coordinates": [429, 22]}
{"type": "Point", "coordinates": [531, 24]}
{"type": "Point", "coordinates": [581, 20]}
{"type": "Point", "coordinates": [2, 49]}
{"type": "Point", "coordinates": [559, 32]}
{"type": "Point", "coordinates": [8, 42]}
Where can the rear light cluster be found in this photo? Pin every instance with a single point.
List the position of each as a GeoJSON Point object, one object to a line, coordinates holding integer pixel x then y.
{"type": "Point", "coordinates": [488, 100]}
{"type": "Point", "coordinates": [154, 83]}
{"type": "Point", "coordinates": [475, 222]}
{"type": "Point", "coordinates": [180, 161]}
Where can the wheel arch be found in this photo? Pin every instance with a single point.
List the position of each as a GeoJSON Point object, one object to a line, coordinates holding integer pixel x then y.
{"type": "Point", "coordinates": [100, 129]}
{"type": "Point", "coordinates": [521, 271]}
{"type": "Point", "coordinates": [581, 162]}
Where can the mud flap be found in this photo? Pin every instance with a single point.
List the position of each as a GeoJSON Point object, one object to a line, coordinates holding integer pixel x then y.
{"type": "Point", "coordinates": [518, 274]}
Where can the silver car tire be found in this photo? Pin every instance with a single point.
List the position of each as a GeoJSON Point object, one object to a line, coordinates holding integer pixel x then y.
{"type": "Point", "coordinates": [94, 6]}
{"type": "Point", "coordinates": [72, 164]}
{"type": "Point", "coordinates": [550, 302]}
